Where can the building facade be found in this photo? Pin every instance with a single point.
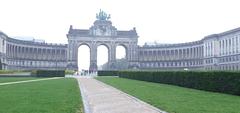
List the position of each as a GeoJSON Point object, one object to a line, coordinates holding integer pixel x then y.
{"type": "Point", "coordinates": [172, 56]}
{"type": "Point", "coordinates": [214, 52]}
{"type": "Point", "coordinates": [28, 55]}
{"type": "Point", "coordinates": [3, 51]}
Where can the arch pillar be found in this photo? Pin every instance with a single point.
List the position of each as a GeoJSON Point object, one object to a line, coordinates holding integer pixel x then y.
{"type": "Point", "coordinates": [72, 56]}
{"type": "Point", "coordinates": [93, 57]}
{"type": "Point", "coordinates": [133, 56]}
{"type": "Point", "coordinates": [112, 57]}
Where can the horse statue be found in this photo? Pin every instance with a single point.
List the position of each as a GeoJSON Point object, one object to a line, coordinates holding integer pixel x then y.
{"type": "Point", "coordinates": [103, 15]}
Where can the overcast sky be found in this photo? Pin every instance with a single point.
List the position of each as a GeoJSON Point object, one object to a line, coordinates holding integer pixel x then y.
{"type": "Point", "coordinates": [164, 21]}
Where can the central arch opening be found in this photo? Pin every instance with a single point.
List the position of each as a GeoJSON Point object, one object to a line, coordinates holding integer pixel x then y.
{"type": "Point", "coordinates": [102, 57]}
{"type": "Point", "coordinates": [83, 57]}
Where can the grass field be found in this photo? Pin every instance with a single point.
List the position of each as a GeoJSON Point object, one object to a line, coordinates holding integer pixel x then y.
{"type": "Point", "coordinates": [174, 99]}
{"type": "Point", "coordinates": [50, 96]}
{"type": "Point", "coordinates": [14, 79]}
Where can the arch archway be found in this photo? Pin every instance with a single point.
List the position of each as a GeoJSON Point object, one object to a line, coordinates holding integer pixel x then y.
{"type": "Point", "coordinates": [121, 51]}
{"type": "Point", "coordinates": [121, 57]}
{"type": "Point", "coordinates": [102, 33]}
{"type": "Point", "coordinates": [83, 57]}
{"type": "Point", "coordinates": [102, 57]}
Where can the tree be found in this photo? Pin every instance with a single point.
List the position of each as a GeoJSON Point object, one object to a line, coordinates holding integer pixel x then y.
{"type": "Point", "coordinates": [121, 64]}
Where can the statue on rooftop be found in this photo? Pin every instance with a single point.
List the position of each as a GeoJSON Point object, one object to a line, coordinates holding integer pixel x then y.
{"type": "Point", "coordinates": [103, 15]}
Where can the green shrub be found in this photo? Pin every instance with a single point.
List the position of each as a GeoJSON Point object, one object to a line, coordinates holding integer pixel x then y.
{"type": "Point", "coordinates": [219, 81]}
{"type": "Point", "coordinates": [12, 71]}
{"type": "Point", "coordinates": [48, 73]}
{"type": "Point", "coordinates": [69, 72]}
{"type": "Point", "coordinates": [107, 73]}
{"type": "Point", "coordinates": [6, 71]}
{"type": "Point", "coordinates": [34, 73]}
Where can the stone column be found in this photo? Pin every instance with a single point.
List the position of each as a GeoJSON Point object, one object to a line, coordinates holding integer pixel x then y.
{"type": "Point", "coordinates": [26, 53]}
{"type": "Point", "coordinates": [238, 44]}
{"type": "Point", "coordinates": [178, 55]}
{"type": "Point", "coordinates": [19, 52]}
{"type": "Point", "coordinates": [235, 44]}
{"type": "Point", "coordinates": [43, 54]}
{"type": "Point", "coordinates": [72, 56]}
{"type": "Point", "coordinates": [133, 50]}
{"type": "Point", "coordinates": [161, 55]}
{"type": "Point", "coordinates": [22, 52]}
{"type": "Point", "coordinates": [13, 51]}
{"type": "Point", "coordinates": [16, 52]}
{"type": "Point", "coordinates": [7, 50]}
{"type": "Point", "coordinates": [195, 52]}
{"type": "Point", "coordinates": [200, 52]}
{"type": "Point", "coordinates": [93, 57]}
{"type": "Point", "coordinates": [191, 52]}
{"type": "Point", "coordinates": [112, 57]}
{"type": "Point", "coordinates": [75, 56]}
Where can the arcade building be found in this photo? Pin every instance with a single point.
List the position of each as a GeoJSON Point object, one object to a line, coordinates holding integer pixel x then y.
{"type": "Point", "coordinates": [214, 52]}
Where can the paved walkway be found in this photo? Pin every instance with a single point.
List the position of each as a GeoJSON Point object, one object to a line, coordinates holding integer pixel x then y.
{"type": "Point", "coordinates": [101, 98]}
{"type": "Point", "coordinates": [17, 82]}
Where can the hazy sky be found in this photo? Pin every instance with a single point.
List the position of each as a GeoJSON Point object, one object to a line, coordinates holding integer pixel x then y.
{"type": "Point", "coordinates": [165, 21]}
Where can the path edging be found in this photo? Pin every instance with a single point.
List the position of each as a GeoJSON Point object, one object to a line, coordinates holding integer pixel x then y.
{"type": "Point", "coordinates": [86, 107]}
{"type": "Point", "coordinates": [26, 81]}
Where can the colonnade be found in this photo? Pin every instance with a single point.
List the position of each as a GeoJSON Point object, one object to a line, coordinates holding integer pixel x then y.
{"type": "Point", "coordinates": [158, 54]}
{"type": "Point", "coordinates": [172, 56]}
{"type": "Point", "coordinates": [35, 55]}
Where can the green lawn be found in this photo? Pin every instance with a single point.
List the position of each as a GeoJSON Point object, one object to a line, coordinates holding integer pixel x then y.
{"type": "Point", "coordinates": [50, 96]}
{"type": "Point", "coordinates": [14, 79]}
{"type": "Point", "coordinates": [174, 99]}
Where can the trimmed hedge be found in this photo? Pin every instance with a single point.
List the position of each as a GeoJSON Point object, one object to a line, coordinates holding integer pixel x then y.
{"type": "Point", "coordinates": [48, 73]}
{"type": "Point", "coordinates": [223, 82]}
{"type": "Point", "coordinates": [107, 73]}
{"type": "Point", "coordinates": [12, 71]}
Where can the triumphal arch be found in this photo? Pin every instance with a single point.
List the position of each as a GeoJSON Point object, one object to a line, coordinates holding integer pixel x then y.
{"type": "Point", "coordinates": [102, 33]}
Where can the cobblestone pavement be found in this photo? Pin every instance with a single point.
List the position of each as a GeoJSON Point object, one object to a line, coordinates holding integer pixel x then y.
{"type": "Point", "coordinates": [101, 98]}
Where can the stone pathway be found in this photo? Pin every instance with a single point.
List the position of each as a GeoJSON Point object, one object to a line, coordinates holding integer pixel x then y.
{"type": "Point", "coordinates": [101, 98]}
{"type": "Point", "coordinates": [17, 82]}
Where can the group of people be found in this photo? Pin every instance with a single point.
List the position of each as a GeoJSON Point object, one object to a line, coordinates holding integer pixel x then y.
{"type": "Point", "coordinates": [86, 73]}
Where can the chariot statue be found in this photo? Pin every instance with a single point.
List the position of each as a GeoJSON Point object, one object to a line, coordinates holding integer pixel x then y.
{"type": "Point", "coordinates": [103, 15]}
